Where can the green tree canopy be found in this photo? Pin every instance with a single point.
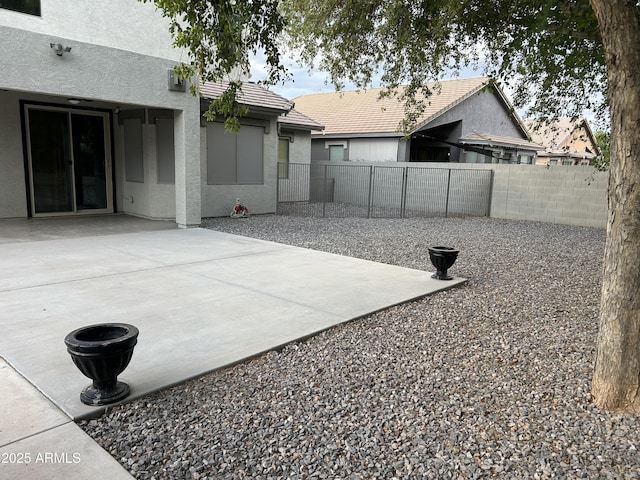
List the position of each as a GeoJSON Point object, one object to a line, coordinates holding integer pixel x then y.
{"type": "Point", "coordinates": [549, 53]}
{"type": "Point", "coordinates": [560, 59]}
{"type": "Point", "coordinates": [602, 161]}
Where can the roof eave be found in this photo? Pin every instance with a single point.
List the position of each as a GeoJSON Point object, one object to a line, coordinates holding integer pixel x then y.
{"type": "Point", "coordinates": [591, 135]}
{"type": "Point", "coordinates": [285, 107]}
{"type": "Point", "coordinates": [357, 135]}
{"type": "Point", "coordinates": [512, 110]}
{"type": "Point", "coordinates": [253, 109]}
{"type": "Point", "coordinates": [299, 126]}
{"type": "Point", "coordinates": [498, 144]}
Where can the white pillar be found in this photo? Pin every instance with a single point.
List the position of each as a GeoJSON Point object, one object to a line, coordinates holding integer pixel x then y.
{"type": "Point", "coordinates": [187, 156]}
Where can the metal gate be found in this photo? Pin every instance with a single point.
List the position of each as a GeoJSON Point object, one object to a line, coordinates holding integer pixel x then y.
{"type": "Point", "coordinates": [382, 191]}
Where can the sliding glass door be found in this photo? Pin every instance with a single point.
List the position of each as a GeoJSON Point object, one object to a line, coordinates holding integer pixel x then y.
{"type": "Point", "coordinates": [69, 161]}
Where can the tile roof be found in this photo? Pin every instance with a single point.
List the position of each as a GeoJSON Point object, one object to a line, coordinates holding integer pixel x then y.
{"type": "Point", "coordinates": [362, 112]}
{"type": "Point", "coordinates": [556, 136]}
{"type": "Point", "coordinates": [478, 138]}
{"type": "Point", "coordinates": [254, 95]}
{"type": "Point", "coordinates": [295, 119]}
{"type": "Point", "coordinates": [551, 134]}
{"type": "Point", "coordinates": [251, 95]}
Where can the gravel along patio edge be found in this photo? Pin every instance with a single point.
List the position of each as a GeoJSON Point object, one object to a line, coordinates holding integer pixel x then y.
{"type": "Point", "coordinates": [487, 380]}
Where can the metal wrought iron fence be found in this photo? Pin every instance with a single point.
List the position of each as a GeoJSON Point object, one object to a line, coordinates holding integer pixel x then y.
{"type": "Point", "coordinates": [352, 190]}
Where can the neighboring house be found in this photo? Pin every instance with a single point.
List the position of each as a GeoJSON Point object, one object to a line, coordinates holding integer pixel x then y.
{"type": "Point", "coordinates": [465, 120]}
{"type": "Point", "coordinates": [92, 121]}
{"type": "Point", "coordinates": [565, 141]}
{"type": "Point", "coordinates": [245, 164]}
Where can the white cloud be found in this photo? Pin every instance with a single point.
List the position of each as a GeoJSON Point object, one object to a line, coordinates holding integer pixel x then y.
{"type": "Point", "coordinates": [304, 82]}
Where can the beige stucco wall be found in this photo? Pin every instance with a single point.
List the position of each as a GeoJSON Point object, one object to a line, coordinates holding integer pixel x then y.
{"type": "Point", "coordinates": [218, 200]}
{"type": "Point", "coordinates": [13, 196]}
{"type": "Point", "coordinates": [107, 78]}
{"type": "Point", "coordinates": [300, 148]}
{"type": "Point", "coordinates": [128, 25]}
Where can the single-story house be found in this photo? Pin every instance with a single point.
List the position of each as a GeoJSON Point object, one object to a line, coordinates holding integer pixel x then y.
{"type": "Point", "coordinates": [566, 141]}
{"type": "Point", "coordinates": [93, 121]}
{"type": "Point", "coordinates": [245, 165]}
{"type": "Point", "coordinates": [464, 120]}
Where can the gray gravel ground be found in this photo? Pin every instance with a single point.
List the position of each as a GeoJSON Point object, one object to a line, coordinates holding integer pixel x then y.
{"type": "Point", "coordinates": [487, 380]}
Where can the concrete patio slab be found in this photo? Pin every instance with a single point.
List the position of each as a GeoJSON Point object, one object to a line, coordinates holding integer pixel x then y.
{"type": "Point", "coordinates": [201, 299]}
{"type": "Point", "coordinates": [30, 412]}
{"type": "Point", "coordinates": [22, 230]}
{"type": "Point", "coordinates": [38, 441]}
{"type": "Point", "coordinates": [61, 453]}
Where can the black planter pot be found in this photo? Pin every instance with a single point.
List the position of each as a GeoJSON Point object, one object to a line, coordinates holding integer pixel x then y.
{"type": "Point", "coordinates": [443, 259]}
{"type": "Point", "coordinates": [102, 352]}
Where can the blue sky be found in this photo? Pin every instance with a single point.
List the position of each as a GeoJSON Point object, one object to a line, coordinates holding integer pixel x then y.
{"type": "Point", "coordinates": [304, 82]}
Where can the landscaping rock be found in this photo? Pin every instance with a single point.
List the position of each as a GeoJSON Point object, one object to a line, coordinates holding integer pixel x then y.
{"type": "Point", "coordinates": [487, 380]}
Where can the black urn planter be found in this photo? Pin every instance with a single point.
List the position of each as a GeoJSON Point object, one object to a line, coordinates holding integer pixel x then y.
{"type": "Point", "coordinates": [443, 259]}
{"type": "Point", "coordinates": [102, 352]}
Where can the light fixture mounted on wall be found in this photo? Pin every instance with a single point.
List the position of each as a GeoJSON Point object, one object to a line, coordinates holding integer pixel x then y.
{"type": "Point", "coordinates": [175, 84]}
{"type": "Point", "coordinates": [73, 101]}
{"type": "Point", "coordinates": [59, 49]}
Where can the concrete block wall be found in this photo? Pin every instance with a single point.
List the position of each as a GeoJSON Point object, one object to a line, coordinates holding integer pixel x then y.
{"type": "Point", "coordinates": [571, 195]}
{"type": "Point", "coordinates": [564, 194]}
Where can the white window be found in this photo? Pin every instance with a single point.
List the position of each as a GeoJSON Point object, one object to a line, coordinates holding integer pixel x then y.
{"type": "Point", "coordinates": [471, 157]}
{"type": "Point", "coordinates": [283, 158]}
{"type": "Point", "coordinates": [336, 153]}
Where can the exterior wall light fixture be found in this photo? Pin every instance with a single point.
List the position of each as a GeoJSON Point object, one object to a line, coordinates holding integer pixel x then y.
{"type": "Point", "coordinates": [59, 49]}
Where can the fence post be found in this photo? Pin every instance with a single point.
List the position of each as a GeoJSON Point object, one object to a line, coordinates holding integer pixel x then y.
{"type": "Point", "coordinates": [324, 191]}
{"type": "Point", "coordinates": [277, 186]}
{"type": "Point", "coordinates": [492, 173]}
{"type": "Point", "coordinates": [370, 199]}
{"type": "Point", "coordinates": [403, 198]}
{"type": "Point", "coordinates": [446, 207]}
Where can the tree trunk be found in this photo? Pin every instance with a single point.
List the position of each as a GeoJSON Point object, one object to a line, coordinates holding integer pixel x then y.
{"type": "Point", "coordinates": [616, 378]}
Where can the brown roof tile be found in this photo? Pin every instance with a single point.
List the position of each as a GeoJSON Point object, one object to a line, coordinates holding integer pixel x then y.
{"type": "Point", "coordinates": [551, 134]}
{"type": "Point", "coordinates": [251, 95]}
{"type": "Point", "coordinates": [296, 119]}
{"type": "Point", "coordinates": [362, 112]}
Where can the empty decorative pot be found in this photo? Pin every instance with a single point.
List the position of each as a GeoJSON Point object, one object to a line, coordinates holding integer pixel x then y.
{"type": "Point", "coordinates": [102, 352]}
{"type": "Point", "coordinates": [443, 259]}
